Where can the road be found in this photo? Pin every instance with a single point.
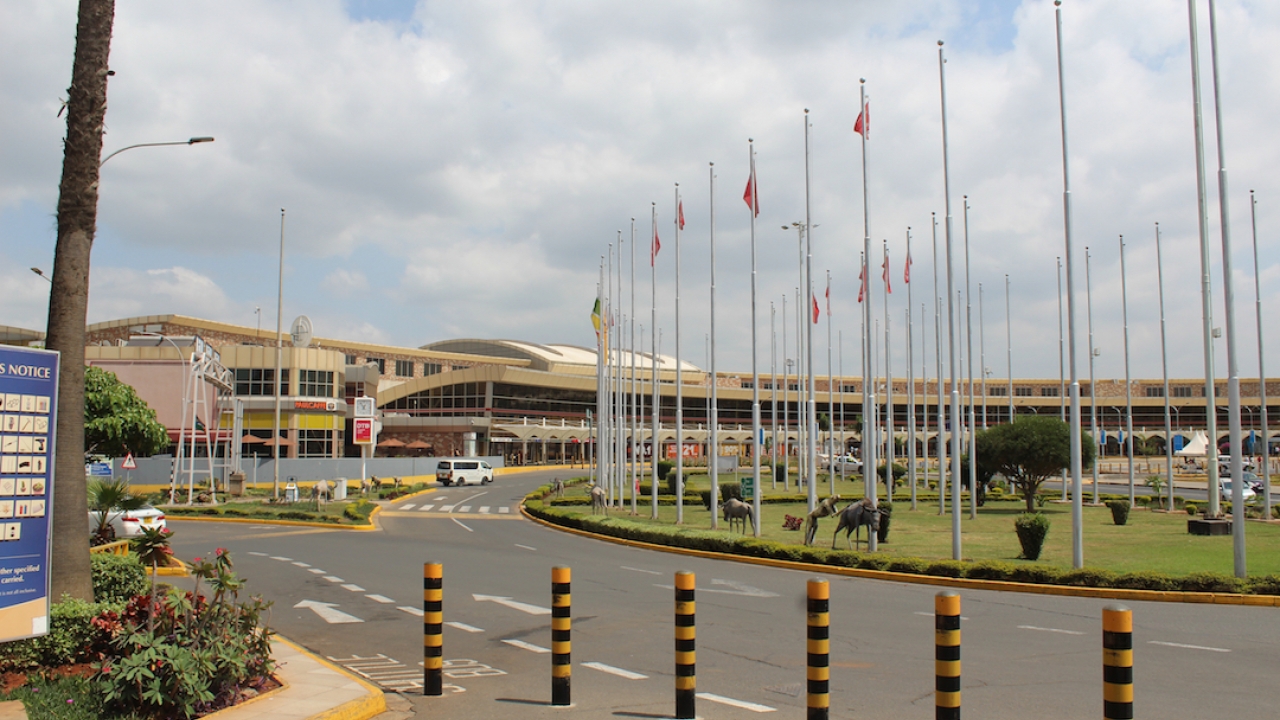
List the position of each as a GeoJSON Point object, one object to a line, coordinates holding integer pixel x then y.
{"type": "Point", "coordinates": [355, 597]}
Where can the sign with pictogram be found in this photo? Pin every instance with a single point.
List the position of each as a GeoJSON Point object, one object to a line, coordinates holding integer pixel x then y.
{"type": "Point", "coordinates": [128, 463]}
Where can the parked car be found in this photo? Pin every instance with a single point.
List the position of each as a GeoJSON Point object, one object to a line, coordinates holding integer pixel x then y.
{"type": "Point", "coordinates": [1252, 487]}
{"type": "Point", "coordinates": [125, 524]}
{"type": "Point", "coordinates": [1224, 464]}
{"type": "Point", "coordinates": [843, 463]}
{"type": "Point", "coordinates": [463, 472]}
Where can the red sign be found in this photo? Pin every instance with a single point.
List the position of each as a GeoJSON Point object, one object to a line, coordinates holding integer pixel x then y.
{"type": "Point", "coordinates": [363, 430]}
{"type": "Point", "coordinates": [128, 463]}
{"type": "Point", "coordinates": [690, 450]}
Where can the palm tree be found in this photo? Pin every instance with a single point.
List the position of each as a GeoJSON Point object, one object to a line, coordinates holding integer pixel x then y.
{"type": "Point", "coordinates": [106, 496]}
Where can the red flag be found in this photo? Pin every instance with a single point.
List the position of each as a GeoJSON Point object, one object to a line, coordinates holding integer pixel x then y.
{"type": "Point", "coordinates": [888, 287]}
{"type": "Point", "coordinates": [906, 270]}
{"type": "Point", "coordinates": [654, 247]}
{"type": "Point", "coordinates": [862, 282]}
{"type": "Point", "coordinates": [828, 296]}
{"type": "Point", "coordinates": [680, 213]}
{"type": "Point", "coordinates": [749, 196]}
{"type": "Point", "coordinates": [815, 310]}
{"type": "Point", "coordinates": [863, 125]}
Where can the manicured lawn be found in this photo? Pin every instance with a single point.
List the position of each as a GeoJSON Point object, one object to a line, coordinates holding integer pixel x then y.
{"type": "Point", "coordinates": [1153, 541]}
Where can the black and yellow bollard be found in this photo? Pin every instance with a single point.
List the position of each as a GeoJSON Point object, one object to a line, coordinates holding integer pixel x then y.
{"type": "Point", "coordinates": [433, 629]}
{"type": "Point", "coordinates": [686, 648]}
{"type": "Point", "coordinates": [561, 669]}
{"type": "Point", "coordinates": [946, 659]}
{"type": "Point", "coordinates": [1117, 662]}
{"type": "Point", "coordinates": [819, 648]}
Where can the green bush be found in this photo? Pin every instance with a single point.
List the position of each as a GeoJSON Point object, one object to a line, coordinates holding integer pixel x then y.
{"type": "Point", "coordinates": [1212, 583]}
{"type": "Point", "coordinates": [358, 511]}
{"type": "Point", "coordinates": [72, 637]}
{"type": "Point", "coordinates": [1191, 509]}
{"type": "Point", "coordinates": [989, 570]}
{"type": "Point", "coordinates": [1265, 585]}
{"type": "Point", "coordinates": [915, 566]}
{"type": "Point", "coordinates": [886, 514]}
{"type": "Point", "coordinates": [945, 568]}
{"type": "Point", "coordinates": [730, 490]}
{"type": "Point", "coordinates": [1145, 580]}
{"type": "Point", "coordinates": [1032, 528]}
{"type": "Point", "coordinates": [117, 578]}
{"type": "Point", "coordinates": [664, 469]}
{"type": "Point", "coordinates": [1087, 577]}
{"type": "Point", "coordinates": [1119, 511]}
{"type": "Point", "coordinates": [1035, 574]}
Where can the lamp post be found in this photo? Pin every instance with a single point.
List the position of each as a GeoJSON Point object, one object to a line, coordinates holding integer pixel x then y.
{"type": "Point", "coordinates": [191, 141]}
{"type": "Point", "coordinates": [40, 272]}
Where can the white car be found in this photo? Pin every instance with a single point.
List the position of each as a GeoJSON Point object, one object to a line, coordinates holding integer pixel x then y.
{"type": "Point", "coordinates": [464, 472]}
{"type": "Point", "coordinates": [1249, 493]}
{"type": "Point", "coordinates": [124, 524]}
{"type": "Point", "coordinates": [843, 463]}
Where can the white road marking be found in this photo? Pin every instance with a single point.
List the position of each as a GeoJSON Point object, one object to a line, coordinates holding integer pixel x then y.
{"type": "Point", "coordinates": [425, 508]}
{"type": "Point", "coordinates": [328, 612]}
{"type": "Point", "coordinates": [640, 570]}
{"type": "Point", "coordinates": [380, 598]}
{"type": "Point", "coordinates": [740, 589]}
{"type": "Point", "coordinates": [316, 571]}
{"type": "Point", "coordinates": [259, 554]}
{"type": "Point", "coordinates": [333, 578]}
{"type": "Point", "coordinates": [615, 671]}
{"type": "Point", "coordinates": [513, 604]}
{"type": "Point", "coordinates": [282, 559]}
{"type": "Point", "coordinates": [473, 497]}
{"type": "Point", "coordinates": [526, 547]}
{"type": "Point", "coordinates": [504, 510]}
{"type": "Point", "coordinates": [446, 508]}
{"type": "Point", "coordinates": [353, 587]}
{"type": "Point", "coordinates": [411, 610]}
{"type": "Point", "coordinates": [484, 509]}
{"type": "Point", "coordinates": [743, 704]}
{"type": "Point", "coordinates": [464, 509]}
{"type": "Point", "coordinates": [929, 614]}
{"type": "Point", "coordinates": [464, 627]}
{"type": "Point", "coordinates": [409, 506]}
{"type": "Point", "coordinates": [464, 527]}
{"type": "Point", "coordinates": [1052, 630]}
{"type": "Point", "coordinates": [1188, 647]}
{"type": "Point", "coordinates": [301, 564]}
{"type": "Point", "coordinates": [527, 646]}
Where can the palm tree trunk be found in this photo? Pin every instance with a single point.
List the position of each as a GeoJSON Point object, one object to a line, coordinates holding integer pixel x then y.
{"type": "Point", "coordinates": [69, 570]}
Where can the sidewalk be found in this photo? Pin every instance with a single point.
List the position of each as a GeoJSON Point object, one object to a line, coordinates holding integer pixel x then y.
{"type": "Point", "coordinates": [314, 689]}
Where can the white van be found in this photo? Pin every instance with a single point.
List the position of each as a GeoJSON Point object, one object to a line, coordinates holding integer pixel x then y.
{"type": "Point", "coordinates": [464, 472]}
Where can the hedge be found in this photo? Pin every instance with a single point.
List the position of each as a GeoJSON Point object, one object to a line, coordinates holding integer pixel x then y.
{"type": "Point", "coordinates": [1023, 572]}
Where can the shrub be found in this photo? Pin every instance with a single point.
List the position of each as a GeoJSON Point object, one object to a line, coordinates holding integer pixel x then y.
{"type": "Point", "coordinates": [1145, 580]}
{"type": "Point", "coordinates": [72, 637]}
{"type": "Point", "coordinates": [989, 570]}
{"type": "Point", "coordinates": [664, 469]}
{"type": "Point", "coordinates": [874, 562]}
{"type": "Point", "coordinates": [915, 566]}
{"type": "Point", "coordinates": [1035, 574]}
{"type": "Point", "coordinates": [886, 514]}
{"type": "Point", "coordinates": [1191, 508]}
{"type": "Point", "coordinates": [1119, 511]}
{"type": "Point", "coordinates": [730, 490]}
{"type": "Point", "coordinates": [1032, 528]}
{"type": "Point", "coordinates": [1087, 577]}
{"type": "Point", "coordinates": [116, 578]}
{"type": "Point", "coordinates": [358, 511]}
{"type": "Point", "coordinates": [1264, 585]}
{"type": "Point", "coordinates": [1212, 583]}
{"type": "Point", "coordinates": [945, 568]}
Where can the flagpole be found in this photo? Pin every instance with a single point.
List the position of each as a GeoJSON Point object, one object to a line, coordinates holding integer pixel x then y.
{"type": "Point", "coordinates": [1262, 372]}
{"type": "Point", "coordinates": [982, 355]}
{"type": "Point", "coordinates": [831, 400]}
{"type": "Point", "coordinates": [1008, 342]}
{"type": "Point", "coordinates": [813, 404]}
{"type": "Point", "coordinates": [1206, 280]}
{"type": "Point", "coordinates": [655, 443]}
{"type": "Point", "coordinates": [889, 450]}
{"type": "Point", "coordinates": [635, 398]}
{"type": "Point", "coordinates": [786, 403]}
{"type": "Point", "coordinates": [844, 446]}
{"type": "Point", "coordinates": [1128, 383]}
{"type": "Point", "coordinates": [951, 324]}
{"type": "Point", "coordinates": [713, 461]}
{"type": "Point", "coordinates": [596, 441]}
{"type": "Point", "coordinates": [679, 378]}
{"type": "Point", "coordinates": [619, 467]}
{"type": "Point", "coordinates": [1077, 509]}
{"type": "Point", "coordinates": [940, 407]}
{"type": "Point", "coordinates": [773, 395]}
{"type": "Point", "coordinates": [968, 342]}
{"type": "Point", "coordinates": [869, 413]}
{"type": "Point", "coordinates": [756, 490]}
{"type": "Point", "coordinates": [1164, 364]}
{"type": "Point", "coordinates": [1062, 373]}
{"type": "Point", "coordinates": [606, 418]}
{"type": "Point", "coordinates": [1093, 393]}
{"type": "Point", "coordinates": [911, 379]}
{"type": "Point", "coordinates": [1229, 293]}
{"type": "Point", "coordinates": [924, 388]}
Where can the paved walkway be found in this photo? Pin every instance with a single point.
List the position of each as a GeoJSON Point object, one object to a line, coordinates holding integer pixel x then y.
{"type": "Point", "coordinates": [315, 689]}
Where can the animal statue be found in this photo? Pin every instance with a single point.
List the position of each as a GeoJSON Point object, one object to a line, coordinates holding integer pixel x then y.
{"type": "Point", "coordinates": [853, 518]}
{"type": "Point", "coordinates": [557, 488]}
{"type": "Point", "coordinates": [322, 489]}
{"type": "Point", "coordinates": [825, 509]}
{"type": "Point", "coordinates": [373, 483]}
{"type": "Point", "coordinates": [599, 500]}
{"type": "Point", "coordinates": [735, 509]}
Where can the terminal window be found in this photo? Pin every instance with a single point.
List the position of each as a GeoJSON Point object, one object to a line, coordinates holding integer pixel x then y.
{"type": "Point", "coordinates": [382, 365]}
{"type": "Point", "coordinates": [1022, 391]}
{"type": "Point", "coordinates": [404, 368]}
{"type": "Point", "coordinates": [431, 369]}
{"type": "Point", "coordinates": [258, 381]}
{"type": "Point", "coordinates": [1155, 392]}
{"type": "Point", "coordinates": [1050, 391]}
{"type": "Point", "coordinates": [1183, 391]}
{"type": "Point", "coordinates": [315, 383]}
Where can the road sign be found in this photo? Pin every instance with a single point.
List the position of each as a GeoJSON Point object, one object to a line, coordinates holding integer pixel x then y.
{"type": "Point", "coordinates": [29, 390]}
{"type": "Point", "coordinates": [748, 487]}
{"type": "Point", "coordinates": [128, 463]}
{"type": "Point", "coordinates": [362, 428]}
{"type": "Point", "coordinates": [98, 469]}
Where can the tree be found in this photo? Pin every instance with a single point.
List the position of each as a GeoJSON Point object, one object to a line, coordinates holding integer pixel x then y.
{"type": "Point", "coordinates": [1030, 450]}
{"type": "Point", "coordinates": [983, 473]}
{"type": "Point", "coordinates": [116, 420]}
{"type": "Point", "coordinates": [69, 569]}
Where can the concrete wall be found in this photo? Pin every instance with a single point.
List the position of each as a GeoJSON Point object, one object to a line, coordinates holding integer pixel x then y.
{"type": "Point", "coordinates": [155, 470]}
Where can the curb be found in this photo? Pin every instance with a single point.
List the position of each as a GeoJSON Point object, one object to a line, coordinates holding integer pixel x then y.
{"type": "Point", "coordinates": [363, 708]}
{"type": "Point", "coordinates": [971, 584]}
{"type": "Point", "coordinates": [273, 521]}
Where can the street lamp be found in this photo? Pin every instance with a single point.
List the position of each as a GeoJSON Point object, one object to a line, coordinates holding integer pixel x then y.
{"type": "Point", "coordinates": [40, 272]}
{"type": "Point", "coordinates": [191, 141]}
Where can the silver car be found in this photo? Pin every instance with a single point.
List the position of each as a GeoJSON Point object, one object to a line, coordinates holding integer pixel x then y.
{"type": "Point", "coordinates": [124, 524]}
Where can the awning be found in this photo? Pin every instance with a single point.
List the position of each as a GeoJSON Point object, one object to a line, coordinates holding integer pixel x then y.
{"type": "Point", "coordinates": [419, 445]}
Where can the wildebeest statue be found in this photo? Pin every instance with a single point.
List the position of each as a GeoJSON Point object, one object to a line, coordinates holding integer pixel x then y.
{"type": "Point", "coordinates": [735, 509]}
{"type": "Point", "coordinates": [322, 489]}
{"type": "Point", "coordinates": [825, 509]}
{"type": "Point", "coordinates": [853, 518]}
{"type": "Point", "coordinates": [599, 500]}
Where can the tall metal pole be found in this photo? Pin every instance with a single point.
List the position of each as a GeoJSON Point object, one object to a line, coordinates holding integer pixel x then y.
{"type": "Point", "coordinates": [679, 376]}
{"type": "Point", "coordinates": [1077, 485]}
{"type": "Point", "coordinates": [911, 381]}
{"type": "Point", "coordinates": [275, 431]}
{"type": "Point", "coordinates": [1093, 384]}
{"type": "Point", "coordinates": [1128, 383]}
{"type": "Point", "coordinates": [924, 391]}
{"type": "Point", "coordinates": [889, 449]}
{"type": "Point", "coordinates": [1262, 365]}
{"type": "Point", "coordinates": [843, 444]}
{"type": "Point", "coordinates": [786, 402]}
{"type": "Point", "coordinates": [831, 400]}
{"type": "Point", "coordinates": [773, 395]}
{"type": "Point", "coordinates": [655, 442]}
{"type": "Point", "coordinates": [1164, 366]}
{"type": "Point", "coordinates": [713, 461]}
{"type": "Point", "coordinates": [968, 315]}
{"type": "Point", "coordinates": [1206, 283]}
{"type": "Point", "coordinates": [1228, 288]}
{"type": "Point", "coordinates": [1008, 341]}
{"type": "Point", "coordinates": [812, 445]}
{"type": "Point", "coordinates": [868, 376]}
{"type": "Point", "coordinates": [755, 372]}
{"type": "Point", "coordinates": [635, 397]}
{"type": "Point", "coordinates": [951, 324]}
{"type": "Point", "coordinates": [940, 407]}
{"type": "Point", "coordinates": [982, 354]}
{"type": "Point", "coordinates": [607, 418]}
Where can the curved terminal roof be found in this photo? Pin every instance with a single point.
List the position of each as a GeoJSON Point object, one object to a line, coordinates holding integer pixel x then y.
{"type": "Point", "coordinates": [551, 358]}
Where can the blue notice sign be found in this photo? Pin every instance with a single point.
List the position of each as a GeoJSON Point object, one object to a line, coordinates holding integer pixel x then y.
{"type": "Point", "coordinates": [99, 469]}
{"type": "Point", "coordinates": [28, 417]}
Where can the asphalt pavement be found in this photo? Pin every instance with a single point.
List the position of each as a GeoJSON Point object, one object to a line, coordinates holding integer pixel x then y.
{"type": "Point", "coordinates": [355, 599]}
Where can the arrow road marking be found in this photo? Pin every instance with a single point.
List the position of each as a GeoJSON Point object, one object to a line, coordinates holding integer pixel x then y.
{"type": "Point", "coordinates": [514, 605]}
{"type": "Point", "coordinates": [328, 612]}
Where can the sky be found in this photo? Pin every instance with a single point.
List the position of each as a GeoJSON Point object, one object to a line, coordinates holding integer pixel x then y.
{"type": "Point", "coordinates": [460, 170]}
